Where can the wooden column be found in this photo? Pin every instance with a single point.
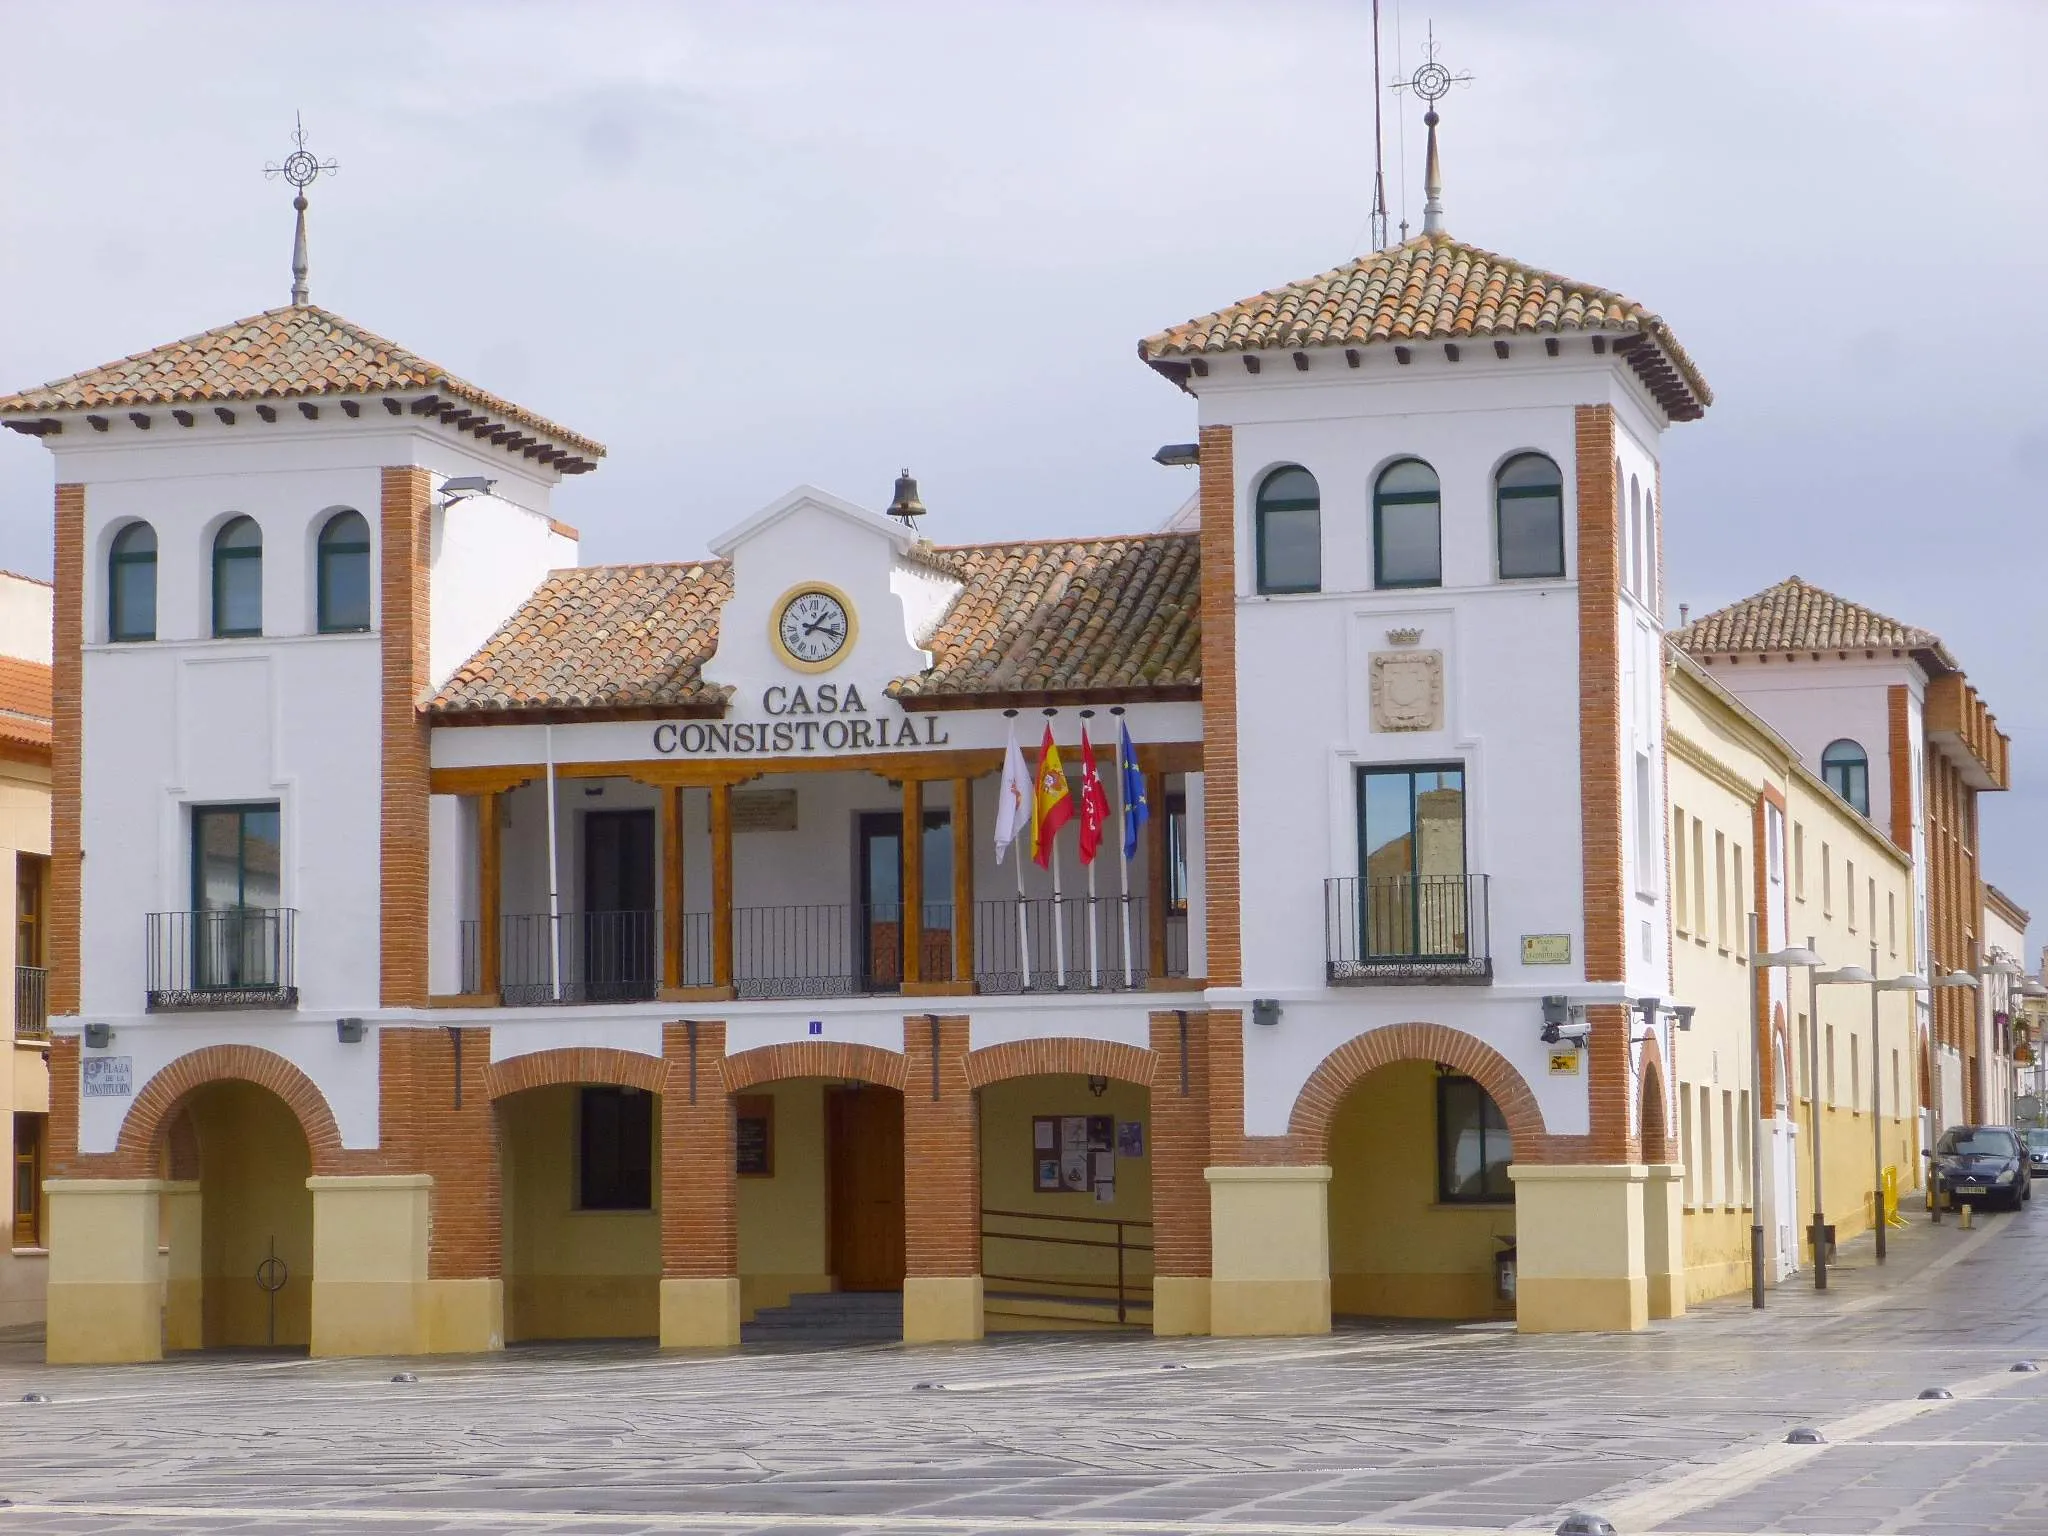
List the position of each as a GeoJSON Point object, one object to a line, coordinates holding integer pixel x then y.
{"type": "Point", "coordinates": [672, 886]}
{"type": "Point", "coordinates": [963, 883]}
{"type": "Point", "coordinates": [721, 885]}
{"type": "Point", "coordinates": [489, 890]}
{"type": "Point", "coordinates": [912, 925]}
{"type": "Point", "coordinates": [1155, 877]}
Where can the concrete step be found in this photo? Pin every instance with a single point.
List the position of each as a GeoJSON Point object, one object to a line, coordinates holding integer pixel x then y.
{"type": "Point", "coordinates": [839, 1317]}
{"type": "Point", "coordinates": [1033, 1312]}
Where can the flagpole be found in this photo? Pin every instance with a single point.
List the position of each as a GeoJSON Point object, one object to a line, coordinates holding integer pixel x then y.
{"type": "Point", "coordinates": [1094, 937]}
{"type": "Point", "coordinates": [1023, 929]}
{"type": "Point", "coordinates": [1059, 931]}
{"type": "Point", "coordinates": [1123, 849]}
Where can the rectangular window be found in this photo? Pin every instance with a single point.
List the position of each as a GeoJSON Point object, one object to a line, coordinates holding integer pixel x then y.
{"type": "Point", "coordinates": [1647, 818]}
{"type": "Point", "coordinates": [1721, 891]}
{"type": "Point", "coordinates": [1798, 861]}
{"type": "Point", "coordinates": [615, 1150]}
{"type": "Point", "coordinates": [1870, 904]}
{"type": "Point", "coordinates": [1699, 880]}
{"type": "Point", "coordinates": [1746, 1132]}
{"type": "Point", "coordinates": [1774, 835]}
{"type": "Point", "coordinates": [1855, 1075]}
{"type": "Point", "coordinates": [1849, 890]}
{"type": "Point", "coordinates": [237, 929]}
{"type": "Point", "coordinates": [1706, 1123]}
{"type": "Point", "coordinates": [1891, 920]}
{"type": "Point", "coordinates": [1691, 1153]}
{"type": "Point", "coordinates": [1472, 1146]}
{"type": "Point", "coordinates": [1177, 851]}
{"type": "Point", "coordinates": [1898, 1104]}
{"type": "Point", "coordinates": [29, 1135]}
{"type": "Point", "coordinates": [1741, 912]}
{"type": "Point", "coordinates": [1411, 862]}
{"type": "Point", "coordinates": [31, 882]}
{"type": "Point", "coordinates": [1829, 1078]}
{"type": "Point", "coordinates": [1727, 1148]}
{"type": "Point", "coordinates": [1680, 892]}
{"type": "Point", "coordinates": [1801, 1071]}
{"type": "Point", "coordinates": [1827, 881]}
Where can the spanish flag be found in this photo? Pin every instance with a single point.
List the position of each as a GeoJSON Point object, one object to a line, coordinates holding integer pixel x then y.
{"type": "Point", "coordinates": [1052, 803]}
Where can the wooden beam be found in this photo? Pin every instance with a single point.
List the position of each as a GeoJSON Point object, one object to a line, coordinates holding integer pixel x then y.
{"type": "Point", "coordinates": [309, 410]}
{"type": "Point", "coordinates": [393, 407]}
{"type": "Point", "coordinates": [1599, 344]}
{"type": "Point", "coordinates": [721, 885]}
{"type": "Point", "coordinates": [1200, 367]}
{"type": "Point", "coordinates": [48, 426]}
{"type": "Point", "coordinates": [182, 417]}
{"type": "Point", "coordinates": [963, 881]}
{"type": "Point", "coordinates": [1301, 362]}
{"type": "Point", "coordinates": [97, 423]}
{"type": "Point", "coordinates": [1403, 356]}
{"type": "Point", "coordinates": [1351, 356]}
{"type": "Point", "coordinates": [1155, 876]}
{"type": "Point", "coordinates": [227, 417]}
{"type": "Point", "coordinates": [267, 412]}
{"type": "Point", "coordinates": [489, 890]}
{"type": "Point", "coordinates": [1500, 349]}
{"type": "Point", "coordinates": [672, 886]}
{"type": "Point", "coordinates": [1451, 351]}
{"type": "Point", "coordinates": [482, 781]}
{"type": "Point", "coordinates": [426, 405]}
{"type": "Point", "coordinates": [1550, 345]}
{"type": "Point", "coordinates": [140, 420]}
{"type": "Point", "coordinates": [1251, 364]}
{"type": "Point", "coordinates": [351, 409]}
{"type": "Point", "coordinates": [911, 925]}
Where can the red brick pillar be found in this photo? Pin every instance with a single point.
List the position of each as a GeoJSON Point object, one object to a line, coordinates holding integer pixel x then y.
{"type": "Point", "coordinates": [942, 1184]}
{"type": "Point", "coordinates": [700, 1262]}
{"type": "Point", "coordinates": [1180, 1156]}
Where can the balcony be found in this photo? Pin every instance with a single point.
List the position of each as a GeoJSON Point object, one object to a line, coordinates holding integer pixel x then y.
{"type": "Point", "coordinates": [1407, 930]}
{"type": "Point", "coordinates": [31, 1003]}
{"type": "Point", "coordinates": [236, 957]}
{"type": "Point", "coordinates": [826, 950]}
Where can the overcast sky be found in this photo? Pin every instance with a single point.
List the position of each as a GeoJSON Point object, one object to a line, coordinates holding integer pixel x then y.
{"type": "Point", "coordinates": [755, 244]}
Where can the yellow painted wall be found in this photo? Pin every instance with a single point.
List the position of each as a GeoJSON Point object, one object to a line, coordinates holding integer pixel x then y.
{"type": "Point", "coordinates": [1394, 1251]}
{"type": "Point", "coordinates": [1007, 1177]}
{"type": "Point", "coordinates": [252, 1188]}
{"type": "Point", "coordinates": [24, 1079]}
{"type": "Point", "coordinates": [783, 1230]}
{"type": "Point", "coordinates": [571, 1274]}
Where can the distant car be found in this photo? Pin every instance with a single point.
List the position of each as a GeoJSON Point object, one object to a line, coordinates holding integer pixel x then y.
{"type": "Point", "coordinates": [2037, 1150]}
{"type": "Point", "coordinates": [1981, 1164]}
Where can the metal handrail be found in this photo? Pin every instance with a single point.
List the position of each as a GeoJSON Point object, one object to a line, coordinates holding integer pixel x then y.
{"type": "Point", "coordinates": [1126, 1288]}
{"type": "Point", "coordinates": [221, 957]}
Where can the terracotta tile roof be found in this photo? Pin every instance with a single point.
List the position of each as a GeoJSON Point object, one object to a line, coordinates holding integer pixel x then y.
{"type": "Point", "coordinates": [600, 637]}
{"type": "Point", "coordinates": [1434, 288]}
{"type": "Point", "coordinates": [1114, 616]}
{"type": "Point", "coordinates": [290, 353]}
{"type": "Point", "coordinates": [26, 706]}
{"type": "Point", "coordinates": [1796, 615]}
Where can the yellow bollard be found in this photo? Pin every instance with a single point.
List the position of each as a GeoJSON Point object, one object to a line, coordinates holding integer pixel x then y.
{"type": "Point", "coordinates": [1964, 1220]}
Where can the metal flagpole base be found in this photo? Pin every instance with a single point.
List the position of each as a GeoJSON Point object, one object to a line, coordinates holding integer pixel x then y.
{"type": "Point", "coordinates": [1883, 1220]}
{"type": "Point", "coordinates": [1756, 1266]}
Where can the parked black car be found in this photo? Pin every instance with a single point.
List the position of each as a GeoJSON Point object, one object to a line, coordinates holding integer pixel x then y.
{"type": "Point", "coordinates": [2037, 1150]}
{"type": "Point", "coordinates": [1983, 1164]}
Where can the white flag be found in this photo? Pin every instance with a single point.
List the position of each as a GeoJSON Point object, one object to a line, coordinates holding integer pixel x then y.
{"type": "Point", "coordinates": [1013, 797]}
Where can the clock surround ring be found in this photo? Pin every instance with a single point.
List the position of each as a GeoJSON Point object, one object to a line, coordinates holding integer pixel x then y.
{"type": "Point", "coordinates": [781, 605]}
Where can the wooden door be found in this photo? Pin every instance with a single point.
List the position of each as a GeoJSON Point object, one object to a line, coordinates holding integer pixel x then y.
{"type": "Point", "coordinates": [865, 1127]}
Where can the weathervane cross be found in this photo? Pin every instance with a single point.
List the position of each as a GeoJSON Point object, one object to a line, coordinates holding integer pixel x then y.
{"type": "Point", "coordinates": [1432, 81]}
{"type": "Point", "coordinates": [301, 168]}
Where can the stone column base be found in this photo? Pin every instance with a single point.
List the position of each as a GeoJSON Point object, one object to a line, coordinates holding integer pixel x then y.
{"type": "Point", "coordinates": [1269, 1231]}
{"type": "Point", "coordinates": [1180, 1306]}
{"type": "Point", "coordinates": [461, 1317]}
{"type": "Point", "coordinates": [1579, 1248]}
{"type": "Point", "coordinates": [369, 1263]}
{"type": "Point", "coordinates": [700, 1314]}
{"type": "Point", "coordinates": [942, 1309]}
{"type": "Point", "coordinates": [105, 1303]}
{"type": "Point", "coordinates": [1664, 1238]}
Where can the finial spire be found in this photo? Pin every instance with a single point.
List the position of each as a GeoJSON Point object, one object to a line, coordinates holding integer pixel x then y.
{"type": "Point", "coordinates": [300, 169]}
{"type": "Point", "coordinates": [1431, 81]}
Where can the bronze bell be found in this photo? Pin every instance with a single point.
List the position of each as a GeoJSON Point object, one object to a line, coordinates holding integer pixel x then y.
{"type": "Point", "coordinates": [906, 508]}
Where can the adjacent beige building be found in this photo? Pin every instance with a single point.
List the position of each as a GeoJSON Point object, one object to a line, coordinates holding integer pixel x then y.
{"type": "Point", "coordinates": [1754, 830]}
{"type": "Point", "coordinates": [25, 845]}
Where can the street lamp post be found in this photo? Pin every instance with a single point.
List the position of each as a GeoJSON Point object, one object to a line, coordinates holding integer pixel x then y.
{"type": "Point", "coordinates": [1846, 975]}
{"type": "Point", "coordinates": [1856, 975]}
{"type": "Point", "coordinates": [1761, 960]}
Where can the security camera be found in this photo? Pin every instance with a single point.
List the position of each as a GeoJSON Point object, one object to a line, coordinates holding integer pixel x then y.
{"type": "Point", "coordinates": [1575, 1032]}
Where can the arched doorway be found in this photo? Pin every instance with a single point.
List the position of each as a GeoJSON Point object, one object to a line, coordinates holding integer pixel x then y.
{"type": "Point", "coordinates": [1419, 1125]}
{"type": "Point", "coordinates": [819, 1198]}
{"type": "Point", "coordinates": [1065, 1142]}
{"type": "Point", "coordinates": [237, 1222]}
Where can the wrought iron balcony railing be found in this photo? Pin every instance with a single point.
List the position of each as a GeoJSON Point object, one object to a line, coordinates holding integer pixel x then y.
{"type": "Point", "coordinates": [1414, 929]}
{"type": "Point", "coordinates": [232, 957]}
{"type": "Point", "coordinates": [31, 1003]}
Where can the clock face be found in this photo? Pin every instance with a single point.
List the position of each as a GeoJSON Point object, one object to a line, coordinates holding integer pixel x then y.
{"type": "Point", "coordinates": [813, 627]}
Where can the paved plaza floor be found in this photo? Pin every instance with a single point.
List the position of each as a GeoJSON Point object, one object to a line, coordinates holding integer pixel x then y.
{"type": "Point", "coordinates": [1395, 1429]}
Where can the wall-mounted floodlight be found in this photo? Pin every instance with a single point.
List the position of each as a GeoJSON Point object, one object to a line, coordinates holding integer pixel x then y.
{"type": "Point", "coordinates": [99, 1036]}
{"type": "Point", "coordinates": [1178, 455]}
{"type": "Point", "coordinates": [1266, 1011]}
{"type": "Point", "coordinates": [462, 487]}
{"type": "Point", "coordinates": [349, 1031]}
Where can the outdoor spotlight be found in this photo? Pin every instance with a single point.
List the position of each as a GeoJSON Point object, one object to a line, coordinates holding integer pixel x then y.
{"type": "Point", "coordinates": [462, 487]}
{"type": "Point", "coordinates": [99, 1036]}
{"type": "Point", "coordinates": [1178, 455]}
{"type": "Point", "coordinates": [349, 1031]}
{"type": "Point", "coordinates": [1266, 1010]}
{"type": "Point", "coordinates": [1683, 1014]}
{"type": "Point", "coordinates": [1559, 1024]}
{"type": "Point", "coordinates": [1098, 1086]}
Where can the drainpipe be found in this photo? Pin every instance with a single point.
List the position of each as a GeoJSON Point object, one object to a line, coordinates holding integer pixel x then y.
{"type": "Point", "coordinates": [554, 893]}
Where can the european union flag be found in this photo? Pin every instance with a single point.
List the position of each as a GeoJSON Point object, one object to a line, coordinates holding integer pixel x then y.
{"type": "Point", "coordinates": [1136, 811]}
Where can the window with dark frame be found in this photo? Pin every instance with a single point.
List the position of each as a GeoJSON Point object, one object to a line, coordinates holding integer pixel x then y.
{"type": "Point", "coordinates": [1846, 767]}
{"type": "Point", "coordinates": [1177, 851]}
{"type": "Point", "coordinates": [1289, 522]}
{"type": "Point", "coordinates": [238, 579]}
{"type": "Point", "coordinates": [1529, 518]}
{"type": "Point", "coordinates": [342, 578]}
{"type": "Point", "coordinates": [1473, 1148]}
{"type": "Point", "coordinates": [615, 1150]}
{"type": "Point", "coordinates": [30, 1131]}
{"type": "Point", "coordinates": [131, 584]}
{"type": "Point", "coordinates": [1407, 526]}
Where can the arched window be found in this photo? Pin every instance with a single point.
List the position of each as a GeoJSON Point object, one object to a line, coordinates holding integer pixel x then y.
{"type": "Point", "coordinates": [343, 576]}
{"type": "Point", "coordinates": [1407, 527]}
{"type": "Point", "coordinates": [238, 578]}
{"type": "Point", "coordinates": [1290, 531]}
{"type": "Point", "coordinates": [131, 584]}
{"type": "Point", "coordinates": [1650, 549]}
{"type": "Point", "coordinates": [1846, 767]}
{"type": "Point", "coordinates": [1529, 516]}
{"type": "Point", "coordinates": [1635, 540]}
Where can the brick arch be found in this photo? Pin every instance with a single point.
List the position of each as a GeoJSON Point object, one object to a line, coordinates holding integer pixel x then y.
{"type": "Point", "coordinates": [815, 1058]}
{"type": "Point", "coordinates": [164, 1095]}
{"type": "Point", "coordinates": [1357, 1058]}
{"type": "Point", "coordinates": [573, 1064]}
{"type": "Point", "coordinates": [1654, 1121]}
{"type": "Point", "coordinates": [1064, 1055]}
{"type": "Point", "coordinates": [181, 1147]}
